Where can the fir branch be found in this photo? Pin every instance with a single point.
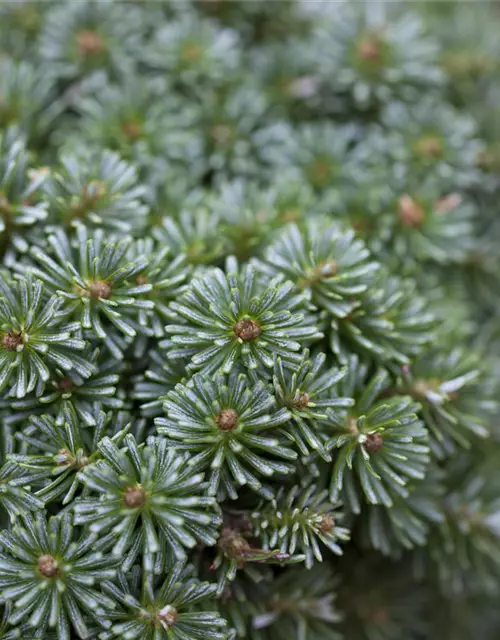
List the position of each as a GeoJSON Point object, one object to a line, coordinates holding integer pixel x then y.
{"type": "Point", "coordinates": [328, 264]}
{"type": "Point", "coordinates": [316, 154]}
{"type": "Point", "coordinates": [167, 611]}
{"type": "Point", "coordinates": [168, 403]}
{"type": "Point", "coordinates": [230, 427]}
{"type": "Point", "coordinates": [381, 442]}
{"type": "Point", "coordinates": [196, 52]}
{"type": "Point", "coordinates": [237, 553]}
{"type": "Point", "coordinates": [195, 233]}
{"type": "Point", "coordinates": [95, 281]}
{"type": "Point", "coordinates": [80, 39]}
{"type": "Point", "coordinates": [168, 276]}
{"type": "Point", "coordinates": [36, 338]}
{"type": "Point", "coordinates": [69, 389]}
{"type": "Point", "coordinates": [370, 60]}
{"type": "Point", "coordinates": [393, 324]}
{"type": "Point", "coordinates": [21, 205]}
{"type": "Point", "coordinates": [309, 393]}
{"type": "Point", "coordinates": [135, 118]}
{"type": "Point", "coordinates": [464, 548]}
{"type": "Point", "coordinates": [433, 138]}
{"type": "Point", "coordinates": [98, 188]}
{"type": "Point", "coordinates": [238, 132]}
{"type": "Point", "coordinates": [149, 500]}
{"type": "Point", "coordinates": [299, 519]}
{"type": "Point", "coordinates": [29, 101]}
{"type": "Point", "coordinates": [393, 606]}
{"type": "Point", "coordinates": [15, 498]}
{"type": "Point", "coordinates": [407, 523]}
{"type": "Point", "coordinates": [300, 605]}
{"type": "Point", "coordinates": [57, 450]}
{"type": "Point", "coordinates": [51, 577]}
{"type": "Point", "coordinates": [457, 395]}
{"type": "Point", "coordinates": [20, 24]}
{"type": "Point", "coordinates": [151, 388]}
{"type": "Point", "coordinates": [234, 316]}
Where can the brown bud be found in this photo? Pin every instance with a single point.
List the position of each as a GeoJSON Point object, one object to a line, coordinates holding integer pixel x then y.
{"type": "Point", "coordinates": [410, 212]}
{"type": "Point", "coordinates": [302, 401]}
{"type": "Point", "coordinates": [369, 49]}
{"type": "Point", "coordinates": [12, 340]}
{"type": "Point", "coordinates": [47, 565]}
{"type": "Point", "coordinates": [320, 172]}
{"type": "Point", "coordinates": [132, 130]}
{"type": "Point", "coordinates": [167, 616]}
{"type": "Point", "coordinates": [233, 544]}
{"type": "Point", "coordinates": [134, 497]}
{"type": "Point", "coordinates": [429, 146]}
{"type": "Point", "coordinates": [100, 290]}
{"type": "Point", "coordinates": [227, 419]}
{"type": "Point", "coordinates": [191, 52]}
{"type": "Point", "coordinates": [290, 215]}
{"type": "Point", "coordinates": [65, 384]}
{"type": "Point", "coordinates": [221, 133]}
{"type": "Point", "coordinates": [89, 43]}
{"type": "Point", "coordinates": [326, 524]}
{"type": "Point", "coordinates": [489, 160]}
{"type": "Point", "coordinates": [247, 329]}
{"type": "Point", "coordinates": [373, 443]}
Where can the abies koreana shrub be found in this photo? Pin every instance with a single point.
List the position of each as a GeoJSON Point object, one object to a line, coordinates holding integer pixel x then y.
{"type": "Point", "coordinates": [249, 320]}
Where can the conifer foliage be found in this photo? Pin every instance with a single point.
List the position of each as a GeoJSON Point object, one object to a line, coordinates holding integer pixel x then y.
{"type": "Point", "coordinates": [249, 320]}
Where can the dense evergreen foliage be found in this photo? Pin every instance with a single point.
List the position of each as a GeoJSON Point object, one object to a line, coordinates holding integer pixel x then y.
{"type": "Point", "coordinates": [249, 320]}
